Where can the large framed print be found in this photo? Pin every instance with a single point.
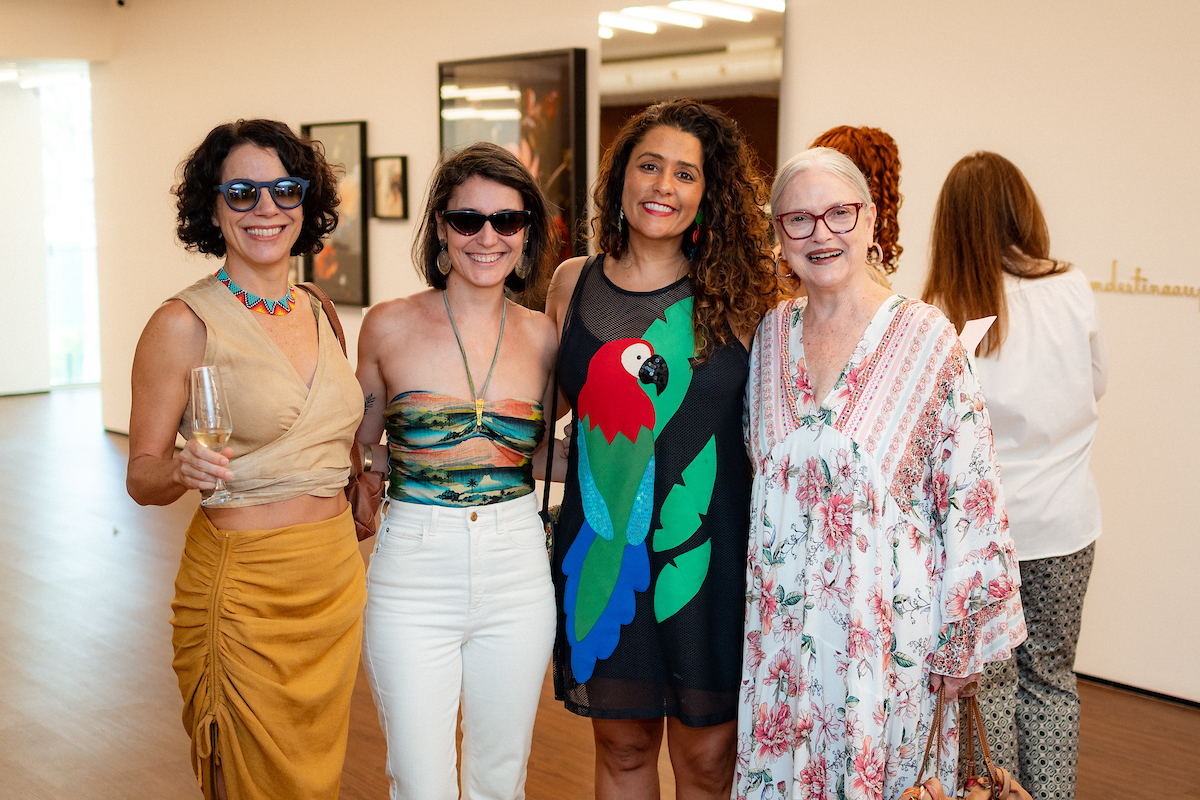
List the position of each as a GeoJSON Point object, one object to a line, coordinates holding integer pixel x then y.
{"type": "Point", "coordinates": [534, 105]}
{"type": "Point", "coordinates": [342, 268]}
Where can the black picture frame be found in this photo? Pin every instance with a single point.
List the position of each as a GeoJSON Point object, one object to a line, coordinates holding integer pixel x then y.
{"type": "Point", "coordinates": [542, 118]}
{"type": "Point", "coordinates": [342, 268]}
{"type": "Point", "coordinates": [389, 187]}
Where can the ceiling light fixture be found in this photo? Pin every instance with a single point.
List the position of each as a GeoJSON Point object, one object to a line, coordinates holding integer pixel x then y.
{"type": "Point", "coordinates": [490, 114]}
{"type": "Point", "coordinates": [606, 33]}
{"type": "Point", "coordinates": [610, 19]}
{"type": "Point", "coordinates": [475, 94]}
{"type": "Point", "coordinates": [765, 5]}
{"type": "Point", "coordinates": [660, 14]}
{"type": "Point", "coordinates": [708, 8]}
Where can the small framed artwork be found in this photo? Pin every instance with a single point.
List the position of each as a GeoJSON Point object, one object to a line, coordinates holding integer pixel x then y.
{"type": "Point", "coordinates": [342, 267]}
{"type": "Point", "coordinates": [389, 195]}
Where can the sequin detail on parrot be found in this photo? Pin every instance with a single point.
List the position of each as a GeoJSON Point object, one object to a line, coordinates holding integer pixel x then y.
{"type": "Point", "coordinates": [608, 562]}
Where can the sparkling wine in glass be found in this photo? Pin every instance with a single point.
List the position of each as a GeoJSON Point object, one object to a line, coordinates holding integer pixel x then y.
{"type": "Point", "coordinates": [211, 423]}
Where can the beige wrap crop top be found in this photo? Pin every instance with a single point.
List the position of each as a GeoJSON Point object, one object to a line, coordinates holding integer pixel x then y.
{"type": "Point", "coordinates": [288, 439]}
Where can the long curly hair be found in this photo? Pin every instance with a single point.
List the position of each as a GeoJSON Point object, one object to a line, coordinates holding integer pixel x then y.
{"type": "Point", "coordinates": [493, 162]}
{"type": "Point", "coordinates": [201, 172]}
{"type": "Point", "coordinates": [732, 274]}
{"type": "Point", "coordinates": [987, 222]}
{"type": "Point", "coordinates": [875, 153]}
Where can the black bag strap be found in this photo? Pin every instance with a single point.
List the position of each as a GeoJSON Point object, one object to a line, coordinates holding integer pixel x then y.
{"type": "Point", "coordinates": [552, 425]}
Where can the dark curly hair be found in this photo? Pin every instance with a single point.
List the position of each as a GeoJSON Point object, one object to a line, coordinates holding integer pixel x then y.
{"type": "Point", "coordinates": [202, 171]}
{"type": "Point", "coordinates": [493, 162]}
{"type": "Point", "coordinates": [875, 153]}
{"type": "Point", "coordinates": [733, 273]}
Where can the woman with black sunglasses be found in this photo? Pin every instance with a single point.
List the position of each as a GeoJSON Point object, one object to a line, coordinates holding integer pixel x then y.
{"type": "Point", "coordinates": [269, 597]}
{"type": "Point", "coordinates": [460, 607]}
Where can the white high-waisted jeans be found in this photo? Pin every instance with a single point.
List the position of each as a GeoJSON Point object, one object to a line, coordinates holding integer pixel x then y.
{"type": "Point", "coordinates": [459, 604]}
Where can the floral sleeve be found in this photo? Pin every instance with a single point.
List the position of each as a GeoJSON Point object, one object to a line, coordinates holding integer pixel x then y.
{"type": "Point", "coordinates": [981, 614]}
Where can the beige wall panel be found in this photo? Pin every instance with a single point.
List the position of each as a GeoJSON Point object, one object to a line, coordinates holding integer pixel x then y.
{"type": "Point", "coordinates": [1099, 104]}
{"type": "Point", "coordinates": [50, 29]}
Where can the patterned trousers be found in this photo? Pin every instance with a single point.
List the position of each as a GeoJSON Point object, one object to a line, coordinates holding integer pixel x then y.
{"type": "Point", "coordinates": [1030, 703]}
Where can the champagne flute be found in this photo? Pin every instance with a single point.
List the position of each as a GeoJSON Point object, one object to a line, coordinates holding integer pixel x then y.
{"type": "Point", "coordinates": [211, 423]}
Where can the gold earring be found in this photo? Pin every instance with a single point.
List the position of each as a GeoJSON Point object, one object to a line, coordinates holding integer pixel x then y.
{"type": "Point", "coordinates": [443, 260]}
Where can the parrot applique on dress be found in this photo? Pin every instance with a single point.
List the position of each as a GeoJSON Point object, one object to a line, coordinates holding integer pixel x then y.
{"type": "Point", "coordinates": [608, 562]}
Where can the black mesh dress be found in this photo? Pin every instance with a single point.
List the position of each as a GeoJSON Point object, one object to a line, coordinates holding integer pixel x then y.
{"type": "Point", "coordinates": [680, 654]}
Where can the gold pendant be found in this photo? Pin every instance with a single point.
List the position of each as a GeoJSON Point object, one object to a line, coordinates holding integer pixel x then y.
{"type": "Point", "coordinates": [478, 412]}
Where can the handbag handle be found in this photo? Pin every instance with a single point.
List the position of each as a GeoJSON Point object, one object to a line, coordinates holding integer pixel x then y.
{"type": "Point", "coordinates": [330, 312]}
{"type": "Point", "coordinates": [935, 731]}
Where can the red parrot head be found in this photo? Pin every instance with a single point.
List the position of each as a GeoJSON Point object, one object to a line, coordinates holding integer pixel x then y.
{"type": "Point", "coordinates": [612, 396]}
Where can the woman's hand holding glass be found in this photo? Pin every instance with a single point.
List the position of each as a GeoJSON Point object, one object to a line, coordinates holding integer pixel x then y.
{"type": "Point", "coordinates": [204, 458]}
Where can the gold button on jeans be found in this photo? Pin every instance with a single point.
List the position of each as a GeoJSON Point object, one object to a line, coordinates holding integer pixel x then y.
{"type": "Point", "coordinates": [474, 516]}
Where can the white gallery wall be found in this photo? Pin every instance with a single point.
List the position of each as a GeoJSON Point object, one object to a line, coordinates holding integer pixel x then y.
{"type": "Point", "coordinates": [24, 334]}
{"type": "Point", "coordinates": [1098, 103]}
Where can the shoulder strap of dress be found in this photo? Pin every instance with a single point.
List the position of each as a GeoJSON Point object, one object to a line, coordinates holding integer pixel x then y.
{"type": "Point", "coordinates": [330, 311]}
{"type": "Point", "coordinates": [583, 273]}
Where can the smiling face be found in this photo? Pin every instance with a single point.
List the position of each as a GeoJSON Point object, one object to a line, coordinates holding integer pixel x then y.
{"type": "Point", "coordinates": [261, 238]}
{"type": "Point", "coordinates": [486, 258]}
{"type": "Point", "coordinates": [825, 260]}
{"type": "Point", "coordinates": [664, 183]}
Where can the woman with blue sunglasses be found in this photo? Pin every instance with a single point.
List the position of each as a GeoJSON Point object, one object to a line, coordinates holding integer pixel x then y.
{"type": "Point", "coordinates": [460, 607]}
{"type": "Point", "coordinates": [269, 597]}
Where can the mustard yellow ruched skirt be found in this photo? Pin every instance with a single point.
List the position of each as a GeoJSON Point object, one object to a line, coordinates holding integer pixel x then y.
{"type": "Point", "coordinates": [268, 626]}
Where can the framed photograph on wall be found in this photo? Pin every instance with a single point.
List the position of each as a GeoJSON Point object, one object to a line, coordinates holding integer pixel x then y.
{"type": "Point", "coordinates": [389, 193]}
{"type": "Point", "coordinates": [534, 105]}
{"type": "Point", "coordinates": [342, 268]}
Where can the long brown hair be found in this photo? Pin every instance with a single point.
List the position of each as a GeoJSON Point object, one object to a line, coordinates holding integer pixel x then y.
{"type": "Point", "coordinates": [987, 222]}
{"type": "Point", "coordinates": [875, 153]}
{"type": "Point", "coordinates": [733, 272]}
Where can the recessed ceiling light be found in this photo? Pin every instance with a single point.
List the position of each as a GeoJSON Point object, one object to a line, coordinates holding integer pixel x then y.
{"type": "Point", "coordinates": [660, 14]}
{"type": "Point", "coordinates": [708, 8]}
{"type": "Point", "coordinates": [610, 19]}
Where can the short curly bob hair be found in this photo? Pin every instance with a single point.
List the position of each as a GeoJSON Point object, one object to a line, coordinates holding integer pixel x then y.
{"type": "Point", "coordinates": [196, 196]}
{"type": "Point", "coordinates": [493, 162]}
{"type": "Point", "coordinates": [875, 153]}
{"type": "Point", "coordinates": [733, 273]}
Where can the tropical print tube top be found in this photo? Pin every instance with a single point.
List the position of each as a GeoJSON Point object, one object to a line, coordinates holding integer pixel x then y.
{"type": "Point", "coordinates": [440, 453]}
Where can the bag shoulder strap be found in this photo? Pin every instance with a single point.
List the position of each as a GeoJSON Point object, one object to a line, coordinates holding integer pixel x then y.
{"type": "Point", "coordinates": [330, 311]}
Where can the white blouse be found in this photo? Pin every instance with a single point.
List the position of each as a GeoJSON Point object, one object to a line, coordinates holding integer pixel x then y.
{"type": "Point", "coordinates": [1041, 389]}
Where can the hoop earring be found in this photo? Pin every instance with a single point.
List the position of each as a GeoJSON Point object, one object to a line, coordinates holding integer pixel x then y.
{"type": "Point", "coordinates": [874, 255]}
{"type": "Point", "coordinates": [443, 260]}
{"type": "Point", "coordinates": [782, 262]}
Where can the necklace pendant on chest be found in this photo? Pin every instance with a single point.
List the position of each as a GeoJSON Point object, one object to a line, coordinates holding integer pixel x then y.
{"type": "Point", "coordinates": [478, 412]}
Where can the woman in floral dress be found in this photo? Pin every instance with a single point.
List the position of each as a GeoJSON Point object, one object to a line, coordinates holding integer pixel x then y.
{"type": "Point", "coordinates": [880, 566]}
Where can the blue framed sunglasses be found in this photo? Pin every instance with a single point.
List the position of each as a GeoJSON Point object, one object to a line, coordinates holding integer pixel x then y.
{"type": "Point", "coordinates": [242, 195]}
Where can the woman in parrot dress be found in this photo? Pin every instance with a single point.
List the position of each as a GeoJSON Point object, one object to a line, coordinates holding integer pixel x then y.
{"type": "Point", "coordinates": [880, 565]}
{"type": "Point", "coordinates": [649, 553]}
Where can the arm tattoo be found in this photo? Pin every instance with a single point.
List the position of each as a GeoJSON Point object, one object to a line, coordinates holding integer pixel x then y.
{"type": "Point", "coordinates": [369, 402]}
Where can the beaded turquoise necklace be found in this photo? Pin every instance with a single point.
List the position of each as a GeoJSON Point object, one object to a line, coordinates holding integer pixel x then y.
{"type": "Point", "coordinates": [276, 308]}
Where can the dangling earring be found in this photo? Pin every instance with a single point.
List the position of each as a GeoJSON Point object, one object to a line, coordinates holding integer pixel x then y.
{"type": "Point", "coordinates": [443, 260]}
{"type": "Point", "coordinates": [782, 262]}
{"type": "Point", "coordinates": [699, 225]}
{"type": "Point", "coordinates": [621, 222]}
{"type": "Point", "coordinates": [522, 269]}
{"type": "Point", "coordinates": [874, 254]}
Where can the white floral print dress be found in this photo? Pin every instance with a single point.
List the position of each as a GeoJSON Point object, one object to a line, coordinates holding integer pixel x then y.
{"type": "Point", "coordinates": [879, 552]}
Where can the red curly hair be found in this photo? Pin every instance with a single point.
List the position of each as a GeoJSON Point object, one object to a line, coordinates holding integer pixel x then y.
{"type": "Point", "coordinates": [733, 270]}
{"type": "Point", "coordinates": [876, 155]}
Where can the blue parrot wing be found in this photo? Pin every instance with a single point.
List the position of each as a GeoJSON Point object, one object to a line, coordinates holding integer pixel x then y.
{"type": "Point", "coordinates": [643, 507]}
{"type": "Point", "coordinates": [595, 510]}
{"type": "Point", "coordinates": [600, 642]}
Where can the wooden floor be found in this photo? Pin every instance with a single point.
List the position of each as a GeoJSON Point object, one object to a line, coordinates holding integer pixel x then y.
{"type": "Point", "coordinates": [89, 707]}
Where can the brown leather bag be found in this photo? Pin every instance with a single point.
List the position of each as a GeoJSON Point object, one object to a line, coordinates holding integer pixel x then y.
{"type": "Point", "coordinates": [365, 489]}
{"type": "Point", "coordinates": [998, 784]}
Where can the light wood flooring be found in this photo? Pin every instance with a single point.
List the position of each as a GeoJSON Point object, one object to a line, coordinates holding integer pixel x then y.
{"type": "Point", "coordinates": [89, 706]}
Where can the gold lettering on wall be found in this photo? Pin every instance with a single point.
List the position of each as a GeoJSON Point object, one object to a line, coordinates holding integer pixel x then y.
{"type": "Point", "coordinates": [1139, 284]}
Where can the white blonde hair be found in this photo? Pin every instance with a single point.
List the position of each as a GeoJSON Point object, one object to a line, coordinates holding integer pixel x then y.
{"type": "Point", "coordinates": [823, 159]}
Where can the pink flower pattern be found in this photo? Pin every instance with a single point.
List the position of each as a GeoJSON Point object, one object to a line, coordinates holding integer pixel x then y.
{"type": "Point", "coordinates": [884, 513]}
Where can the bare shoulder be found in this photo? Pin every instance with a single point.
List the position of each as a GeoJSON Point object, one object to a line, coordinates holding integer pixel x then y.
{"type": "Point", "coordinates": [173, 330]}
{"type": "Point", "coordinates": [393, 317]}
{"type": "Point", "coordinates": [562, 283]}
